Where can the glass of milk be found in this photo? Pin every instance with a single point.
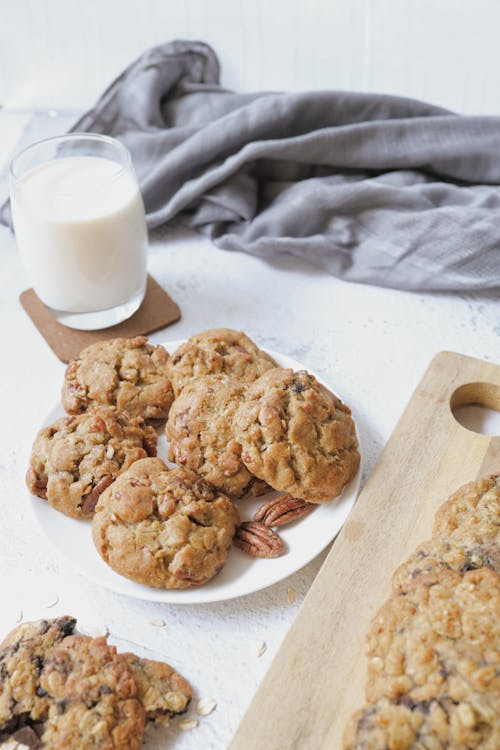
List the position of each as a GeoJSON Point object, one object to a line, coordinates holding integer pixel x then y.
{"type": "Point", "coordinates": [80, 227]}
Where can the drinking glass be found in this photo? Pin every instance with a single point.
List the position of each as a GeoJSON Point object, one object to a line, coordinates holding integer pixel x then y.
{"type": "Point", "coordinates": [80, 226]}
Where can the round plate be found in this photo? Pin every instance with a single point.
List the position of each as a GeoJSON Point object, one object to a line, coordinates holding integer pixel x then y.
{"type": "Point", "coordinates": [241, 574]}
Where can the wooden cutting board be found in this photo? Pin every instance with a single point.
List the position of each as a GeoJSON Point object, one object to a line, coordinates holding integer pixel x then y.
{"type": "Point", "coordinates": [317, 678]}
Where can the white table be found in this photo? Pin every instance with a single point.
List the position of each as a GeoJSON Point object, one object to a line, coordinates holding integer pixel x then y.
{"type": "Point", "coordinates": [371, 344]}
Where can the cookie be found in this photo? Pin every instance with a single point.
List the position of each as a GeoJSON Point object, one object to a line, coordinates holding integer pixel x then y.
{"type": "Point", "coordinates": [22, 658]}
{"type": "Point", "coordinates": [93, 697]}
{"type": "Point", "coordinates": [161, 527]}
{"type": "Point", "coordinates": [128, 373]}
{"type": "Point", "coordinates": [200, 432]}
{"type": "Point", "coordinates": [444, 625]}
{"type": "Point", "coordinates": [476, 504]}
{"type": "Point", "coordinates": [427, 725]}
{"type": "Point", "coordinates": [218, 351]}
{"type": "Point", "coordinates": [162, 691]}
{"type": "Point", "coordinates": [77, 457]}
{"type": "Point", "coordinates": [459, 554]}
{"type": "Point", "coordinates": [297, 436]}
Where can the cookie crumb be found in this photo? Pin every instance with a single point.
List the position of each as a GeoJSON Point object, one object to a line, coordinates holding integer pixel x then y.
{"type": "Point", "coordinates": [261, 648]}
{"type": "Point", "coordinates": [206, 706]}
{"type": "Point", "coordinates": [290, 595]}
{"type": "Point", "coordinates": [188, 724]}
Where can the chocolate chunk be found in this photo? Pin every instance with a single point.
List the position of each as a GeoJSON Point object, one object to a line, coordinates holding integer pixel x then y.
{"type": "Point", "coordinates": [27, 736]}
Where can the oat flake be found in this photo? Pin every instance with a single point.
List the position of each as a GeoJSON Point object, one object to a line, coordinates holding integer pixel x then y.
{"type": "Point", "coordinates": [206, 706]}
{"type": "Point", "coordinates": [158, 623]}
{"type": "Point", "coordinates": [188, 724]}
{"type": "Point", "coordinates": [261, 648]}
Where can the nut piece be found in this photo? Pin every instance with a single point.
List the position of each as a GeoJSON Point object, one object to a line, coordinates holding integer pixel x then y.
{"type": "Point", "coordinates": [258, 540]}
{"type": "Point", "coordinates": [282, 510]}
{"type": "Point", "coordinates": [91, 499]}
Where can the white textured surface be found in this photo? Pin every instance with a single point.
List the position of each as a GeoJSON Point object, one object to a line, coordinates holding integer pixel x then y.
{"type": "Point", "coordinates": [371, 344]}
{"type": "Point", "coordinates": [446, 52]}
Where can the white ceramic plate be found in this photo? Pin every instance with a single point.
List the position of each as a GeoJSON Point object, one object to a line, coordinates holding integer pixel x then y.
{"type": "Point", "coordinates": [241, 574]}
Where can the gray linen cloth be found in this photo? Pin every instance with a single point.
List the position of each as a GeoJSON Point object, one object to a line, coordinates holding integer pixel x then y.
{"type": "Point", "coordinates": [373, 188]}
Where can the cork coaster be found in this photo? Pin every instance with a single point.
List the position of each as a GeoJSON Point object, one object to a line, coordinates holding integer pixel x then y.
{"type": "Point", "coordinates": [157, 311]}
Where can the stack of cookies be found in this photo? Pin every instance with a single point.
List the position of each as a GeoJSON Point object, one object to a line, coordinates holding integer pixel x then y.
{"type": "Point", "coordinates": [434, 647]}
{"type": "Point", "coordinates": [63, 690]}
{"type": "Point", "coordinates": [237, 425]}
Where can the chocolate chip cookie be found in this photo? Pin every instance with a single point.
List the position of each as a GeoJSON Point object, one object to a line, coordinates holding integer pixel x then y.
{"type": "Point", "coordinates": [439, 637]}
{"type": "Point", "coordinates": [200, 432]}
{"type": "Point", "coordinates": [164, 528]}
{"type": "Point", "coordinates": [128, 373]}
{"type": "Point", "coordinates": [218, 351]}
{"type": "Point", "coordinates": [22, 658]}
{"type": "Point", "coordinates": [434, 724]}
{"type": "Point", "coordinates": [93, 697]}
{"type": "Point", "coordinates": [77, 457]}
{"type": "Point", "coordinates": [162, 691]}
{"type": "Point", "coordinates": [476, 504]}
{"type": "Point", "coordinates": [297, 436]}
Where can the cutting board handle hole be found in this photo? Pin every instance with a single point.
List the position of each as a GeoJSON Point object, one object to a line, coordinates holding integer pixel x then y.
{"type": "Point", "coordinates": [476, 406]}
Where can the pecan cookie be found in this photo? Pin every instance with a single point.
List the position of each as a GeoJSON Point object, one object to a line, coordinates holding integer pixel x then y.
{"type": "Point", "coordinates": [128, 373]}
{"type": "Point", "coordinates": [164, 528]}
{"type": "Point", "coordinates": [162, 691]}
{"type": "Point", "coordinates": [200, 432]}
{"type": "Point", "coordinates": [77, 457]}
{"type": "Point", "coordinates": [434, 724]}
{"type": "Point", "coordinates": [297, 436]}
{"type": "Point", "coordinates": [22, 658]}
{"type": "Point", "coordinates": [218, 351]}
{"type": "Point", "coordinates": [93, 697]}
{"type": "Point", "coordinates": [439, 637]}
{"type": "Point", "coordinates": [476, 504]}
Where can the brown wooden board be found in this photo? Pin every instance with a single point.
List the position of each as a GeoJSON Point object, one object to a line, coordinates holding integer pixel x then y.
{"type": "Point", "coordinates": [317, 678]}
{"type": "Point", "coordinates": [157, 310]}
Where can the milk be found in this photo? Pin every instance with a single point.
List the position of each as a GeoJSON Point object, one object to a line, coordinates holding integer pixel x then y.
{"type": "Point", "coordinates": [80, 227]}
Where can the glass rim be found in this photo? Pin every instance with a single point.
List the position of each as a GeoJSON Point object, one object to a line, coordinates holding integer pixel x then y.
{"type": "Point", "coordinates": [97, 137]}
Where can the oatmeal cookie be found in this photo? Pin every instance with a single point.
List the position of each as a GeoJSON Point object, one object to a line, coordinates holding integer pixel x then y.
{"type": "Point", "coordinates": [297, 436]}
{"type": "Point", "coordinates": [162, 691]}
{"type": "Point", "coordinates": [77, 457]}
{"type": "Point", "coordinates": [128, 373]}
{"type": "Point", "coordinates": [426, 725]}
{"type": "Point", "coordinates": [163, 527]}
{"type": "Point", "coordinates": [200, 432]}
{"type": "Point", "coordinates": [460, 554]}
{"type": "Point", "coordinates": [218, 351]}
{"type": "Point", "coordinates": [476, 504]}
{"type": "Point", "coordinates": [93, 697]}
{"type": "Point", "coordinates": [443, 626]}
{"type": "Point", "coordinates": [22, 658]}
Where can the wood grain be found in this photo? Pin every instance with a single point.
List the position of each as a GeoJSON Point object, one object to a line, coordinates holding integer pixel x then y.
{"type": "Point", "coordinates": [157, 310]}
{"type": "Point", "coordinates": [317, 678]}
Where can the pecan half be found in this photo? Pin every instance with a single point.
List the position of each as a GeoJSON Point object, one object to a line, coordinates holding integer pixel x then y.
{"type": "Point", "coordinates": [258, 540]}
{"type": "Point", "coordinates": [91, 499]}
{"type": "Point", "coordinates": [281, 510]}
